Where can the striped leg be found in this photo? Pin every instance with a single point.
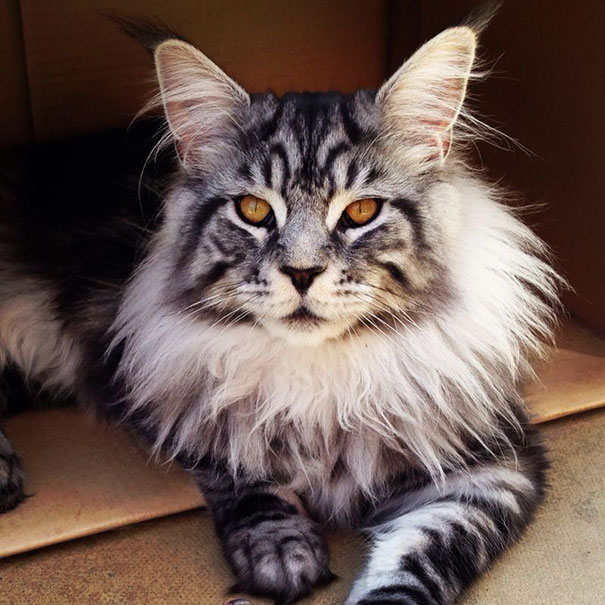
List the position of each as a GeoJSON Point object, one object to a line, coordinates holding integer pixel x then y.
{"type": "Point", "coordinates": [11, 477]}
{"type": "Point", "coordinates": [273, 550]}
{"type": "Point", "coordinates": [438, 541]}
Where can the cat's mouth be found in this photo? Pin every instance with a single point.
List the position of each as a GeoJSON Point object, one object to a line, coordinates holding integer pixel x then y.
{"type": "Point", "coordinates": [302, 327]}
{"type": "Point", "coordinates": [302, 316]}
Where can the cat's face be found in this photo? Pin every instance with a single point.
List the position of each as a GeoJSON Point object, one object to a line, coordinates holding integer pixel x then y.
{"type": "Point", "coordinates": [310, 216]}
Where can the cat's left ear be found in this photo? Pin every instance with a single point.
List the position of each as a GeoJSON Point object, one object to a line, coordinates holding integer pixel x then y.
{"type": "Point", "coordinates": [421, 102]}
{"type": "Point", "coordinates": [202, 104]}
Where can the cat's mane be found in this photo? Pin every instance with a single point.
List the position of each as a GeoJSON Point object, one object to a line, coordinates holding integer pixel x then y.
{"type": "Point", "coordinates": [421, 387]}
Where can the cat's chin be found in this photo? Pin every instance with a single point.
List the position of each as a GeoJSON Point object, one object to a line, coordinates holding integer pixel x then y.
{"type": "Point", "coordinates": [306, 334]}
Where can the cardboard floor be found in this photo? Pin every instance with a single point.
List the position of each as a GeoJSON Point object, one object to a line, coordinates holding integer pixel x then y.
{"type": "Point", "coordinates": [176, 559]}
{"type": "Point", "coordinates": [87, 477]}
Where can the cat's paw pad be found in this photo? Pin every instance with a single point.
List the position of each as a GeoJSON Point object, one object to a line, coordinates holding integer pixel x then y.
{"type": "Point", "coordinates": [11, 482]}
{"type": "Point", "coordinates": [282, 558]}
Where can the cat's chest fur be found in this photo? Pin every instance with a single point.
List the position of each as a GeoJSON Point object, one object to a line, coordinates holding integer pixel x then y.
{"type": "Point", "coordinates": [330, 467]}
{"type": "Point", "coordinates": [333, 421]}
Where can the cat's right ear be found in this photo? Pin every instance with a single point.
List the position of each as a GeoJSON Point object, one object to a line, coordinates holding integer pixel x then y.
{"type": "Point", "coordinates": [202, 104]}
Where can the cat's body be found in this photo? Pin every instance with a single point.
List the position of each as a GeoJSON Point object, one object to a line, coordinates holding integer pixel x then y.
{"type": "Point", "coordinates": [372, 368]}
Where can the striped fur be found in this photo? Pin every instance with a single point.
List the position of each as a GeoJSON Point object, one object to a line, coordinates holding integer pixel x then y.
{"type": "Point", "coordinates": [386, 395]}
{"type": "Point", "coordinates": [431, 542]}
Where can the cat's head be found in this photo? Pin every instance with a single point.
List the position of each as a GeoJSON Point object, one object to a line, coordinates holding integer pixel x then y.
{"type": "Point", "coordinates": [314, 216]}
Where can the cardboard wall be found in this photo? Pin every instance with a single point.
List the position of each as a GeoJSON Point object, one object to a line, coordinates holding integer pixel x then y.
{"type": "Point", "coordinates": [15, 117]}
{"type": "Point", "coordinates": [553, 101]}
{"type": "Point", "coordinates": [86, 75]}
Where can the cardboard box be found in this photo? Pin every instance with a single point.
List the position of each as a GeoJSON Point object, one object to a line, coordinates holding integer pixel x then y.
{"type": "Point", "coordinates": [65, 70]}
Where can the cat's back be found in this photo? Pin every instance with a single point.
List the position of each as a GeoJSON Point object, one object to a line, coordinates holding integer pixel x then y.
{"type": "Point", "coordinates": [79, 207]}
{"type": "Point", "coordinates": [75, 217]}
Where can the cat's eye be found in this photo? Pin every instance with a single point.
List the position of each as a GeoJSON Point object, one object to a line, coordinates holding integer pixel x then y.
{"type": "Point", "coordinates": [361, 212]}
{"type": "Point", "coordinates": [255, 210]}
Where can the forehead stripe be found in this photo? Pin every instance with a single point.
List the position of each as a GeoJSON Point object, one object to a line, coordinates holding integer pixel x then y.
{"type": "Point", "coordinates": [352, 172]}
{"type": "Point", "coordinates": [351, 127]}
{"type": "Point", "coordinates": [333, 154]}
{"type": "Point", "coordinates": [269, 127]}
{"type": "Point", "coordinates": [278, 150]}
{"type": "Point", "coordinates": [267, 170]}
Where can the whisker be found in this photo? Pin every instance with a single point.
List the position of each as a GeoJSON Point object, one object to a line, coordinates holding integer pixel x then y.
{"type": "Point", "coordinates": [209, 305]}
{"type": "Point", "coordinates": [204, 300]}
{"type": "Point", "coordinates": [231, 313]}
{"type": "Point", "coordinates": [384, 307]}
{"type": "Point", "coordinates": [418, 305]}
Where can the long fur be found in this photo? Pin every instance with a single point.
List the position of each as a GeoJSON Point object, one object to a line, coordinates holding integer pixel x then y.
{"type": "Point", "coordinates": [416, 387]}
{"type": "Point", "coordinates": [386, 392]}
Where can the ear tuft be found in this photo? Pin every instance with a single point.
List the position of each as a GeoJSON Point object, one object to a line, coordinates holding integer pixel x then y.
{"type": "Point", "coordinates": [421, 102]}
{"type": "Point", "coordinates": [202, 104]}
{"type": "Point", "coordinates": [146, 31]}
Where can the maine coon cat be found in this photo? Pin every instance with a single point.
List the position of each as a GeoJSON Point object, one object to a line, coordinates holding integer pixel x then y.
{"type": "Point", "coordinates": [313, 292]}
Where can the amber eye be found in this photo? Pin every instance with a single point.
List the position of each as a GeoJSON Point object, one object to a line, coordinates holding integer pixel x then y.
{"type": "Point", "coordinates": [254, 210]}
{"type": "Point", "coordinates": [361, 212]}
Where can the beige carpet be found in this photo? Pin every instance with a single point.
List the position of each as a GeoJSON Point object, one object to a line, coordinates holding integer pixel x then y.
{"type": "Point", "coordinates": [176, 560]}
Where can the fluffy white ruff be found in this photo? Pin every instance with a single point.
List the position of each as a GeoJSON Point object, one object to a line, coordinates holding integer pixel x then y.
{"type": "Point", "coordinates": [416, 390]}
{"type": "Point", "coordinates": [31, 337]}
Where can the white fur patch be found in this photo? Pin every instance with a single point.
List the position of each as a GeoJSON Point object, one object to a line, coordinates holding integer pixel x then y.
{"type": "Point", "coordinates": [32, 338]}
{"type": "Point", "coordinates": [416, 389]}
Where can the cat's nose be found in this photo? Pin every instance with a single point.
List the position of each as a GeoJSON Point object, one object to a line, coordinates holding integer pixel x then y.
{"type": "Point", "coordinates": [302, 278]}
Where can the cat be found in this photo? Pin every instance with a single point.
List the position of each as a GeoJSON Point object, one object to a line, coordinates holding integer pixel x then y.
{"type": "Point", "coordinates": [311, 292]}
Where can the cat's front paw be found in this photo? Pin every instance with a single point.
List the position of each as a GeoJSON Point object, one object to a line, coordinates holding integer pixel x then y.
{"type": "Point", "coordinates": [11, 477]}
{"type": "Point", "coordinates": [276, 552]}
